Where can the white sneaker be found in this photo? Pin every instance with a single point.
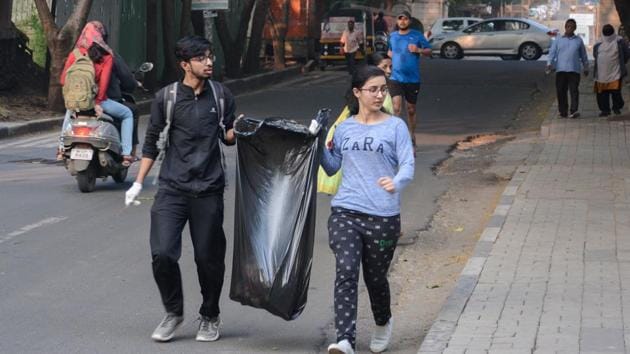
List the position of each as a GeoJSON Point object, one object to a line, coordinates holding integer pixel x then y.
{"type": "Point", "coordinates": [381, 337]}
{"type": "Point", "coordinates": [166, 329]}
{"type": "Point", "coordinates": [342, 347]}
{"type": "Point", "coordinates": [208, 329]}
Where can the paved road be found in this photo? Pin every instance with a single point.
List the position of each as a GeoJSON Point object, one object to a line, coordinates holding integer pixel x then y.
{"type": "Point", "coordinates": [75, 268]}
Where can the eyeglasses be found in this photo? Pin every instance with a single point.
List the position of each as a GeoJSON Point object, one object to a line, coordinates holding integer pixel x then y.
{"type": "Point", "coordinates": [375, 90]}
{"type": "Point", "coordinates": [204, 58]}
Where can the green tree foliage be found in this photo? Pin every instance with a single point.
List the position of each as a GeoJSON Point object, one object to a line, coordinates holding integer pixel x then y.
{"type": "Point", "coordinates": [37, 41]}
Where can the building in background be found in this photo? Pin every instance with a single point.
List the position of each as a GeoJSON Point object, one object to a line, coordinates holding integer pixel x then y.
{"type": "Point", "coordinates": [428, 11]}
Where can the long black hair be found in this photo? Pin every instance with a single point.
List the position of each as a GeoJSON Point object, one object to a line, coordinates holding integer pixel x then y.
{"type": "Point", "coordinates": [359, 78]}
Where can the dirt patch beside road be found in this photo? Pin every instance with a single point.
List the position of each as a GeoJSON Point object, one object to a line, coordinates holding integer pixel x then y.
{"type": "Point", "coordinates": [20, 108]}
{"type": "Point", "coordinates": [426, 271]}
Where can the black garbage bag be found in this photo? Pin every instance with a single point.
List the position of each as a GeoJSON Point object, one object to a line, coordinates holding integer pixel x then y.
{"type": "Point", "coordinates": [274, 222]}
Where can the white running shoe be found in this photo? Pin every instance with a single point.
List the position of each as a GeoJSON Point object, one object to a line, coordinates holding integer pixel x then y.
{"type": "Point", "coordinates": [208, 329]}
{"type": "Point", "coordinates": [381, 337]}
{"type": "Point", "coordinates": [166, 329]}
{"type": "Point", "coordinates": [342, 347]}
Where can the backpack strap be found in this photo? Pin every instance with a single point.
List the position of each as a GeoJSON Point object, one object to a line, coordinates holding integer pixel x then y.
{"type": "Point", "coordinates": [77, 53]}
{"type": "Point", "coordinates": [219, 97]}
{"type": "Point", "coordinates": [169, 98]}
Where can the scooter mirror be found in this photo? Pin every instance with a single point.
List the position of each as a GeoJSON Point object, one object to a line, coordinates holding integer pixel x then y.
{"type": "Point", "coordinates": [145, 67]}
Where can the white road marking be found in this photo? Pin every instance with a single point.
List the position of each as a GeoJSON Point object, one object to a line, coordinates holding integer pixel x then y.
{"type": "Point", "coordinates": [27, 228]}
{"type": "Point", "coordinates": [32, 141]}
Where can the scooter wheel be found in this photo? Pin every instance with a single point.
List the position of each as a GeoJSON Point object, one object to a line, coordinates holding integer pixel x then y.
{"type": "Point", "coordinates": [86, 180]}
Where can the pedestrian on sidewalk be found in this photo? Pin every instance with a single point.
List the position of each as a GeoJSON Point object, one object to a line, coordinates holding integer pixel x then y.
{"type": "Point", "coordinates": [351, 42]}
{"type": "Point", "coordinates": [191, 184]}
{"type": "Point", "coordinates": [375, 152]}
{"type": "Point", "coordinates": [567, 57]}
{"type": "Point", "coordinates": [405, 47]}
{"type": "Point", "coordinates": [611, 55]}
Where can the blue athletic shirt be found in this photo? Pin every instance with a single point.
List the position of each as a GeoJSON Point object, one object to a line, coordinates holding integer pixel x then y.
{"type": "Point", "coordinates": [406, 65]}
{"type": "Point", "coordinates": [365, 153]}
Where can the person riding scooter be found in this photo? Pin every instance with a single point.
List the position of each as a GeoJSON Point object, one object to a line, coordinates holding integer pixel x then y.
{"type": "Point", "coordinates": [92, 43]}
{"type": "Point", "coordinates": [123, 81]}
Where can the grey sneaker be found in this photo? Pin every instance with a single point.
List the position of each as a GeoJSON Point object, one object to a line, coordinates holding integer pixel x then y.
{"type": "Point", "coordinates": [208, 329]}
{"type": "Point", "coordinates": [166, 329]}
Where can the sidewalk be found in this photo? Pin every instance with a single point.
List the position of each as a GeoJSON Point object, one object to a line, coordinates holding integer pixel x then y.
{"type": "Point", "coordinates": [236, 86]}
{"type": "Point", "coordinates": [551, 271]}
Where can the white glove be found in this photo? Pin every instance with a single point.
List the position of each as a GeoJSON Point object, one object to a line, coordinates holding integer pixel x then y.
{"type": "Point", "coordinates": [132, 194]}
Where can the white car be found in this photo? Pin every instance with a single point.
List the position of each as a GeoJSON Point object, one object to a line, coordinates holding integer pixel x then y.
{"type": "Point", "coordinates": [508, 38]}
{"type": "Point", "coordinates": [451, 24]}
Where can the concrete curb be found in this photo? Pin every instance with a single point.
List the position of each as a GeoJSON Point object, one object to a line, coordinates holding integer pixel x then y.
{"type": "Point", "coordinates": [237, 86]}
{"type": "Point", "coordinates": [444, 326]}
{"type": "Point", "coordinates": [442, 329]}
{"type": "Point", "coordinates": [16, 129]}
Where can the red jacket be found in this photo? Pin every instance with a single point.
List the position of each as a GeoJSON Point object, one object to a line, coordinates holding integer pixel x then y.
{"type": "Point", "coordinates": [103, 72]}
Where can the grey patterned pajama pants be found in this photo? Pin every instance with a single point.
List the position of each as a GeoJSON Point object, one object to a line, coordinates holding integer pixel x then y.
{"type": "Point", "coordinates": [356, 238]}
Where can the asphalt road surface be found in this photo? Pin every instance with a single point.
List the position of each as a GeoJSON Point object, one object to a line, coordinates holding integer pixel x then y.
{"type": "Point", "coordinates": [75, 269]}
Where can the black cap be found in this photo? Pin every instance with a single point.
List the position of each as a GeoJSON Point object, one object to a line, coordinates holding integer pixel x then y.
{"type": "Point", "coordinates": [404, 13]}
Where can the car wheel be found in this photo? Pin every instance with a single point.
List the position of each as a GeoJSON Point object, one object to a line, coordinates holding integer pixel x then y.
{"type": "Point", "coordinates": [511, 57]}
{"type": "Point", "coordinates": [530, 51]}
{"type": "Point", "coordinates": [451, 50]}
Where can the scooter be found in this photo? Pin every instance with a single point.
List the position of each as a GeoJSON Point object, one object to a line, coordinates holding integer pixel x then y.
{"type": "Point", "coordinates": [92, 147]}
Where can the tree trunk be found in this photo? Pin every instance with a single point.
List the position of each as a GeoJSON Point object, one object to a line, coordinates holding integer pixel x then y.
{"type": "Point", "coordinates": [314, 29]}
{"type": "Point", "coordinates": [150, 78]}
{"type": "Point", "coordinates": [623, 9]}
{"type": "Point", "coordinates": [185, 23]}
{"type": "Point", "coordinates": [171, 71]}
{"type": "Point", "coordinates": [6, 7]}
{"type": "Point", "coordinates": [198, 23]}
{"type": "Point", "coordinates": [60, 42]}
{"type": "Point", "coordinates": [252, 58]}
{"type": "Point", "coordinates": [8, 45]}
{"type": "Point", "coordinates": [233, 46]}
{"type": "Point", "coordinates": [279, 27]}
{"type": "Point", "coordinates": [389, 4]}
{"type": "Point", "coordinates": [58, 58]}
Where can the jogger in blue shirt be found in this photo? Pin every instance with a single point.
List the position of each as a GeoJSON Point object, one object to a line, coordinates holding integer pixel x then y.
{"type": "Point", "coordinates": [405, 47]}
